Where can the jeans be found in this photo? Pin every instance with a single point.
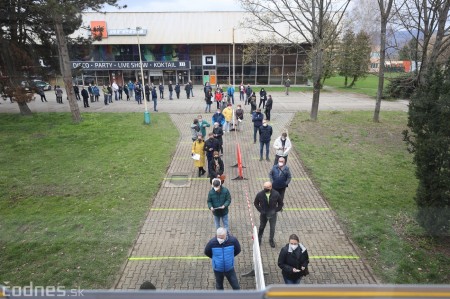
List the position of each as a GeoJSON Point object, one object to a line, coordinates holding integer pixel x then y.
{"type": "Point", "coordinates": [131, 92]}
{"type": "Point", "coordinates": [232, 98]}
{"type": "Point", "coordinates": [226, 126]}
{"type": "Point", "coordinates": [255, 130]}
{"type": "Point", "coordinates": [161, 94]}
{"type": "Point", "coordinates": [224, 220]}
{"type": "Point", "coordinates": [105, 97]}
{"type": "Point", "coordinates": [241, 96]}
{"type": "Point", "coordinates": [110, 98]}
{"type": "Point", "coordinates": [115, 95]}
{"type": "Point", "coordinates": [291, 281]}
{"type": "Point", "coordinates": [155, 103]}
{"type": "Point", "coordinates": [262, 225]}
{"type": "Point", "coordinates": [170, 94]}
{"type": "Point", "coordinates": [261, 148]}
{"type": "Point", "coordinates": [208, 108]}
{"type": "Point", "coordinates": [231, 277]}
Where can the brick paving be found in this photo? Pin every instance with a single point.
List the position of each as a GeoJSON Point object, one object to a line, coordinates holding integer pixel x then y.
{"type": "Point", "coordinates": [169, 234]}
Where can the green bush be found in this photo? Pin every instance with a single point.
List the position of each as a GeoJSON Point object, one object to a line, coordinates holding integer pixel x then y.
{"type": "Point", "coordinates": [429, 140]}
{"type": "Point", "coordinates": [401, 87]}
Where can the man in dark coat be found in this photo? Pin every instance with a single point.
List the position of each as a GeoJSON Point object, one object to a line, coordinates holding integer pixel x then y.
{"type": "Point", "coordinates": [211, 145]}
{"type": "Point", "coordinates": [265, 133]}
{"type": "Point", "coordinates": [280, 176]}
{"type": "Point", "coordinates": [268, 107]}
{"type": "Point", "coordinates": [177, 90]}
{"type": "Point", "coordinates": [76, 90]}
{"type": "Point", "coordinates": [268, 202]}
{"type": "Point", "coordinates": [85, 95]}
{"type": "Point", "coordinates": [170, 90]}
{"type": "Point", "coordinates": [215, 167]}
{"type": "Point", "coordinates": [257, 119]}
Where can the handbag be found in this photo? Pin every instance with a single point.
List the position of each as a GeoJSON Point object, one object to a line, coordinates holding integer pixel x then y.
{"type": "Point", "coordinates": [222, 177]}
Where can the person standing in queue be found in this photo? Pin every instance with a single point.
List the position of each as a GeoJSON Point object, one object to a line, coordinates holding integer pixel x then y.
{"type": "Point", "coordinates": [222, 249]}
{"type": "Point", "coordinates": [268, 202]}
{"type": "Point", "coordinates": [293, 261]}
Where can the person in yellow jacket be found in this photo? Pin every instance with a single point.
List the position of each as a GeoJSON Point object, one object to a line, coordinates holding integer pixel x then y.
{"type": "Point", "coordinates": [198, 154]}
{"type": "Point", "coordinates": [228, 113]}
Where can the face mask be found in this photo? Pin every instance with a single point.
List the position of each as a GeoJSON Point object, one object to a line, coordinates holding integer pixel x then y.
{"type": "Point", "coordinates": [218, 112]}
{"type": "Point", "coordinates": [266, 190]}
{"type": "Point", "coordinates": [220, 240]}
{"type": "Point", "coordinates": [283, 138]}
{"type": "Point", "coordinates": [216, 188]}
{"type": "Point", "coordinates": [293, 247]}
{"type": "Point", "coordinates": [265, 125]}
{"type": "Point", "coordinates": [199, 120]}
{"type": "Point", "coordinates": [280, 164]}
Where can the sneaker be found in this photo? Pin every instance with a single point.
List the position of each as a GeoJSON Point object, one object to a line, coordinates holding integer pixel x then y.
{"type": "Point", "coordinates": [267, 159]}
{"type": "Point", "coordinates": [272, 243]}
{"type": "Point", "coordinates": [260, 159]}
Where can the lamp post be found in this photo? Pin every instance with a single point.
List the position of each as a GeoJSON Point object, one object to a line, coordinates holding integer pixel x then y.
{"type": "Point", "coordinates": [146, 113]}
{"type": "Point", "coordinates": [234, 62]}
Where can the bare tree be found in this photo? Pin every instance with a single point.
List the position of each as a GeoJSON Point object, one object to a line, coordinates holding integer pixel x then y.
{"type": "Point", "coordinates": [385, 14]}
{"type": "Point", "coordinates": [306, 21]}
{"type": "Point", "coordinates": [428, 22]}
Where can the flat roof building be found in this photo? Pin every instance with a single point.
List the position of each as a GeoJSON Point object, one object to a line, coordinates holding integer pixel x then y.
{"type": "Point", "coordinates": [181, 46]}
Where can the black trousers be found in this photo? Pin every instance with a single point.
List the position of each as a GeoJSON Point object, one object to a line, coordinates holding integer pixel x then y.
{"type": "Point", "coordinates": [262, 225]}
{"type": "Point", "coordinates": [267, 113]}
{"type": "Point", "coordinates": [86, 102]}
{"type": "Point", "coordinates": [281, 191]}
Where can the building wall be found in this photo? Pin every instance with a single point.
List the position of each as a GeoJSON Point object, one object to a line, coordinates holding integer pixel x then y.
{"type": "Point", "coordinates": [272, 69]}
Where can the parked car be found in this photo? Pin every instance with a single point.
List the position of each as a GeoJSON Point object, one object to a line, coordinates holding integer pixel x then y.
{"type": "Point", "coordinates": [41, 84]}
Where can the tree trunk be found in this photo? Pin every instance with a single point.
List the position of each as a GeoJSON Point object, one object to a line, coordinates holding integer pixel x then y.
{"type": "Point", "coordinates": [353, 81]}
{"type": "Point", "coordinates": [317, 76]}
{"type": "Point", "coordinates": [345, 81]}
{"type": "Point", "coordinates": [24, 109]}
{"type": "Point", "coordinates": [66, 72]}
{"type": "Point", "coordinates": [376, 114]}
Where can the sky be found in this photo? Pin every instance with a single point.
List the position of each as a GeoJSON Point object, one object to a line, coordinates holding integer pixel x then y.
{"type": "Point", "coordinates": [178, 5]}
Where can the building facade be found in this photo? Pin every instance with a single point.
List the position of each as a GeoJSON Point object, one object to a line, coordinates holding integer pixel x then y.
{"type": "Point", "coordinates": [181, 47]}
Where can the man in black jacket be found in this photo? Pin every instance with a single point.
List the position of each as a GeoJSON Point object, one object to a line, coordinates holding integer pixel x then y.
{"type": "Point", "coordinates": [268, 202]}
{"type": "Point", "coordinates": [85, 95]}
{"type": "Point", "coordinates": [211, 145]}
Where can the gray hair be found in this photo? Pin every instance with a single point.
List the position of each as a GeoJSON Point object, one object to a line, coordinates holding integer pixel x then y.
{"type": "Point", "coordinates": [221, 231]}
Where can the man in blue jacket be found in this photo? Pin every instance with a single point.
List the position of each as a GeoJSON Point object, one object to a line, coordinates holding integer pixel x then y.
{"type": "Point", "coordinates": [222, 249]}
{"type": "Point", "coordinates": [280, 176]}
{"type": "Point", "coordinates": [257, 119]}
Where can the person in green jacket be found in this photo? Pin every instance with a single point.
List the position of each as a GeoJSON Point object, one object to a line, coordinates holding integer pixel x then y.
{"type": "Point", "coordinates": [203, 124]}
{"type": "Point", "coordinates": [219, 199]}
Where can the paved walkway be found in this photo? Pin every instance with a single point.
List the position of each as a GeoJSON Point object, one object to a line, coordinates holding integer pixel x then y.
{"type": "Point", "coordinates": [296, 101]}
{"type": "Point", "coordinates": [169, 249]}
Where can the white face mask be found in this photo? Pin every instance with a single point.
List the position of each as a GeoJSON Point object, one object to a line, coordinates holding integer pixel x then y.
{"type": "Point", "coordinates": [280, 164]}
{"type": "Point", "coordinates": [293, 247]}
{"type": "Point", "coordinates": [265, 125]}
{"type": "Point", "coordinates": [216, 188]}
{"type": "Point", "coordinates": [220, 240]}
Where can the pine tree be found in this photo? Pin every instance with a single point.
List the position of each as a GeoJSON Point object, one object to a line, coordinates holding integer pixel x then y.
{"type": "Point", "coordinates": [429, 140]}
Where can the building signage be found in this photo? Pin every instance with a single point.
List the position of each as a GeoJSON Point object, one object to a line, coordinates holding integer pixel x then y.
{"type": "Point", "coordinates": [209, 60]}
{"type": "Point", "coordinates": [130, 65]}
{"type": "Point", "coordinates": [123, 32]}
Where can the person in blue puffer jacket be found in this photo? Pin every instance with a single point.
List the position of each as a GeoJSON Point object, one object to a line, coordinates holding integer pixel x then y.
{"type": "Point", "coordinates": [222, 249]}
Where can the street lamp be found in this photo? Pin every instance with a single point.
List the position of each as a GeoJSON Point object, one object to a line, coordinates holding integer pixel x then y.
{"type": "Point", "coordinates": [146, 113]}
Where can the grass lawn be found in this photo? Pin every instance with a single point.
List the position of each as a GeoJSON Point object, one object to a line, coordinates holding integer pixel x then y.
{"type": "Point", "coordinates": [367, 86]}
{"type": "Point", "coordinates": [72, 197]}
{"type": "Point", "coordinates": [366, 174]}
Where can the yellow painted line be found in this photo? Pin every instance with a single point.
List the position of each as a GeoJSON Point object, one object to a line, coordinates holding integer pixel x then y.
{"type": "Point", "coordinates": [343, 293]}
{"type": "Point", "coordinates": [160, 258]}
{"type": "Point", "coordinates": [204, 209]}
{"type": "Point", "coordinates": [306, 209]}
{"type": "Point", "coordinates": [292, 179]}
{"type": "Point", "coordinates": [184, 179]}
{"type": "Point", "coordinates": [179, 209]}
{"type": "Point", "coordinates": [335, 257]}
